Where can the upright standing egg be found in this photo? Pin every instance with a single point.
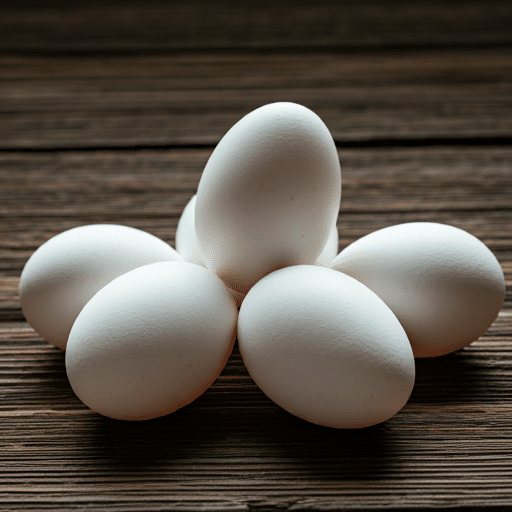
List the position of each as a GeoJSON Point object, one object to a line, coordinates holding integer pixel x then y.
{"type": "Point", "coordinates": [269, 194]}
{"type": "Point", "coordinates": [443, 284]}
{"type": "Point", "coordinates": [188, 246]}
{"type": "Point", "coordinates": [66, 271]}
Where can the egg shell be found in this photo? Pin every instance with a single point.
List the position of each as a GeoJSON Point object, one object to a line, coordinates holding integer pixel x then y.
{"type": "Point", "coordinates": [186, 240]}
{"type": "Point", "coordinates": [444, 285]}
{"type": "Point", "coordinates": [268, 195]}
{"type": "Point", "coordinates": [324, 260]}
{"type": "Point", "coordinates": [325, 348]}
{"type": "Point", "coordinates": [151, 341]}
{"type": "Point", "coordinates": [67, 270]}
{"type": "Point", "coordinates": [188, 247]}
{"type": "Point", "coordinates": [330, 250]}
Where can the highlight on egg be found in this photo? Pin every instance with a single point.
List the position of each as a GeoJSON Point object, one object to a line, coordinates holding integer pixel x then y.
{"type": "Point", "coordinates": [151, 341]}
{"type": "Point", "coordinates": [186, 240]}
{"type": "Point", "coordinates": [66, 271]}
{"type": "Point", "coordinates": [188, 246]}
{"type": "Point", "coordinates": [269, 195]}
{"type": "Point", "coordinates": [443, 284]}
{"type": "Point", "coordinates": [325, 348]}
{"type": "Point", "coordinates": [330, 250]}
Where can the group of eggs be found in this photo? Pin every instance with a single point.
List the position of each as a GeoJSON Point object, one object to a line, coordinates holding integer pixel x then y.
{"type": "Point", "coordinates": [330, 338]}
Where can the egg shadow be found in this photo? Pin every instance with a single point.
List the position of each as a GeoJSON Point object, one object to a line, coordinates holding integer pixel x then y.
{"type": "Point", "coordinates": [234, 420]}
{"type": "Point", "coordinates": [456, 378]}
{"type": "Point", "coordinates": [111, 446]}
{"type": "Point", "coordinates": [331, 454]}
{"type": "Point", "coordinates": [216, 426]}
{"type": "Point", "coordinates": [312, 451]}
{"type": "Point", "coordinates": [371, 453]}
{"type": "Point", "coordinates": [227, 423]}
{"type": "Point", "coordinates": [170, 443]}
{"type": "Point", "coordinates": [233, 424]}
{"type": "Point", "coordinates": [144, 446]}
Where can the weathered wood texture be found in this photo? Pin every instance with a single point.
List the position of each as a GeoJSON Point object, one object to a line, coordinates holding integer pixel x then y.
{"type": "Point", "coordinates": [176, 25]}
{"type": "Point", "coordinates": [234, 449]}
{"type": "Point", "coordinates": [194, 99]}
{"type": "Point", "coordinates": [43, 194]}
{"type": "Point", "coordinates": [108, 113]}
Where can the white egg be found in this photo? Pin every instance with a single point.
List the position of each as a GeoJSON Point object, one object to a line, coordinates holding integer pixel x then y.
{"type": "Point", "coordinates": [269, 194]}
{"type": "Point", "coordinates": [186, 240]}
{"type": "Point", "coordinates": [151, 341]}
{"type": "Point", "coordinates": [330, 250]}
{"type": "Point", "coordinates": [444, 285]}
{"type": "Point", "coordinates": [188, 246]}
{"type": "Point", "coordinates": [67, 270]}
{"type": "Point", "coordinates": [325, 348]}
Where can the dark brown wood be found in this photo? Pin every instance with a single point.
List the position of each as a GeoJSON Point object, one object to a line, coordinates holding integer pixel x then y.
{"type": "Point", "coordinates": [113, 25]}
{"type": "Point", "coordinates": [194, 99]}
{"type": "Point", "coordinates": [233, 447]}
{"type": "Point", "coordinates": [43, 194]}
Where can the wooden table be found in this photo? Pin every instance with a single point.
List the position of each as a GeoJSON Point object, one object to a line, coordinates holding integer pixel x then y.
{"type": "Point", "coordinates": [108, 113]}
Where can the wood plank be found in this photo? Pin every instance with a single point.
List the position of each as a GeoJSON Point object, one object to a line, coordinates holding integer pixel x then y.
{"type": "Point", "coordinates": [112, 25]}
{"type": "Point", "coordinates": [234, 448]}
{"type": "Point", "coordinates": [194, 99]}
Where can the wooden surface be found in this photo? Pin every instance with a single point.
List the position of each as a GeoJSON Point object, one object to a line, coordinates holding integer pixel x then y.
{"type": "Point", "coordinates": [108, 113]}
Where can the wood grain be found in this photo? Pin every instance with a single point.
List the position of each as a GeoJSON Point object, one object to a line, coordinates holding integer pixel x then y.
{"type": "Point", "coordinates": [153, 25]}
{"type": "Point", "coordinates": [43, 194]}
{"type": "Point", "coordinates": [451, 442]}
{"type": "Point", "coordinates": [194, 99]}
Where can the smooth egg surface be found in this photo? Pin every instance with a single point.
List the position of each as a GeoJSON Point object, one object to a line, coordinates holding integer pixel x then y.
{"type": "Point", "coordinates": [188, 246]}
{"type": "Point", "coordinates": [330, 250]}
{"type": "Point", "coordinates": [67, 270]}
{"type": "Point", "coordinates": [268, 195]}
{"type": "Point", "coordinates": [186, 240]}
{"type": "Point", "coordinates": [151, 341]}
{"type": "Point", "coordinates": [444, 285]}
{"type": "Point", "coordinates": [325, 348]}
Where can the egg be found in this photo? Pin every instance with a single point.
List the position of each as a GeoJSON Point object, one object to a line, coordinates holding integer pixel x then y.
{"type": "Point", "coordinates": [268, 195]}
{"type": "Point", "coordinates": [188, 246]}
{"type": "Point", "coordinates": [331, 248]}
{"type": "Point", "coordinates": [186, 240]}
{"type": "Point", "coordinates": [325, 348]}
{"type": "Point", "coordinates": [443, 284]}
{"type": "Point", "coordinates": [151, 341]}
{"type": "Point", "coordinates": [67, 270]}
